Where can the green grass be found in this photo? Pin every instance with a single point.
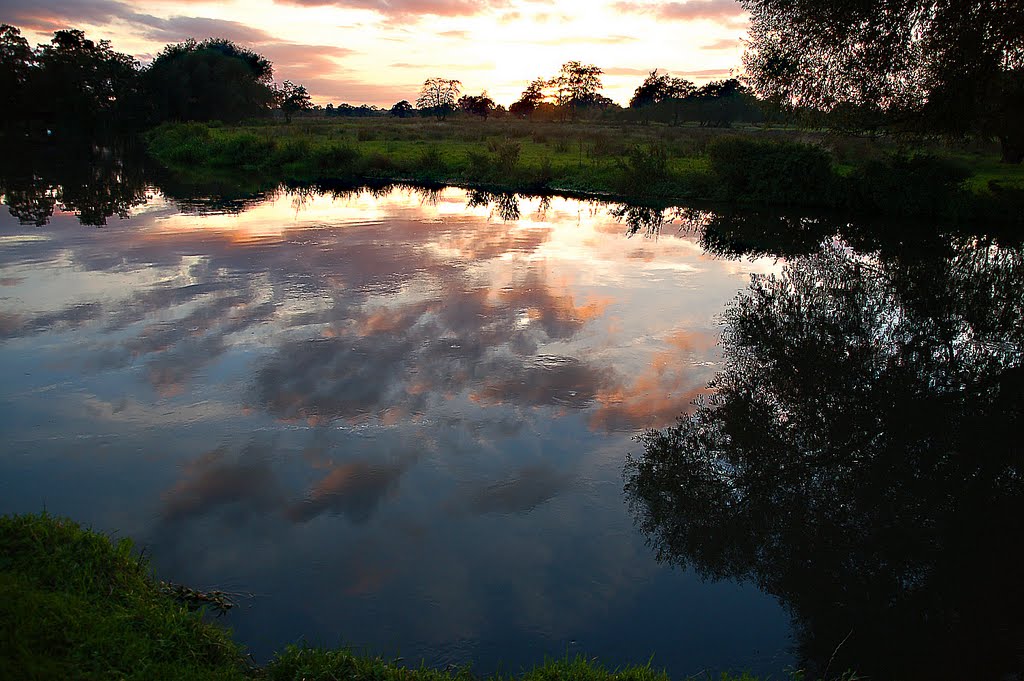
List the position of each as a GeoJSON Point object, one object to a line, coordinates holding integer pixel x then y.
{"type": "Point", "coordinates": [75, 604]}
{"type": "Point", "coordinates": [763, 166]}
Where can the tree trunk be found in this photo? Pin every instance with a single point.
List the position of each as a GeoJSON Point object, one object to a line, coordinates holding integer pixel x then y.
{"type": "Point", "coordinates": [1013, 149]}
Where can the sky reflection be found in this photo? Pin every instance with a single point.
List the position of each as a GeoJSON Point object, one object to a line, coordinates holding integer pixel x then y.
{"type": "Point", "coordinates": [398, 420]}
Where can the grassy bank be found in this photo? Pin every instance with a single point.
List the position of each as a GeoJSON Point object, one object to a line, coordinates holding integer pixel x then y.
{"type": "Point", "coordinates": [76, 605]}
{"type": "Point", "coordinates": [762, 166]}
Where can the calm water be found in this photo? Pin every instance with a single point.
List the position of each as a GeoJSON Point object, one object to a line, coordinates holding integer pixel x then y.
{"type": "Point", "coordinates": [399, 419]}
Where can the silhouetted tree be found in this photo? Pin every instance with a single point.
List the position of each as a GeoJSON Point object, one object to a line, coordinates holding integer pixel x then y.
{"type": "Point", "coordinates": [211, 80]}
{"type": "Point", "coordinates": [402, 109]}
{"type": "Point", "coordinates": [953, 67]}
{"type": "Point", "coordinates": [477, 105]}
{"type": "Point", "coordinates": [293, 98]}
{"type": "Point", "coordinates": [16, 66]}
{"type": "Point", "coordinates": [720, 103]}
{"type": "Point", "coordinates": [658, 88]}
{"type": "Point", "coordinates": [438, 96]}
{"type": "Point", "coordinates": [82, 85]}
{"type": "Point", "coordinates": [576, 85]}
{"type": "Point", "coordinates": [859, 459]}
{"type": "Point", "coordinates": [531, 98]}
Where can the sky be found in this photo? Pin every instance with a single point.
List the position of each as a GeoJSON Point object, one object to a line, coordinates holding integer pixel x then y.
{"type": "Point", "coordinates": [380, 51]}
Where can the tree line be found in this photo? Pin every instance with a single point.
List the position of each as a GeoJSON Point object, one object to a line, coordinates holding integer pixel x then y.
{"type": "Point", "coordinates": [76, 84]}
{"type": "Point", "coordinates": [947, 69]}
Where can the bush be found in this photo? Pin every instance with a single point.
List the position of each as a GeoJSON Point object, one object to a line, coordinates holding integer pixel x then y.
{"type": "Point", "coordinates": [505, 155]}
{"type": "Point", "coordinates": [334, 158]}
{"type": "Point", "coordinates": [644, 170]}
{"type": "Point", "coordinates": [910, 185]}
{"type": "Point", "coordinates": [772, 171]}
{"type": "Point", "coordinates": [180, 143]}
{"type": "Point", "coordinates": [246, 149]}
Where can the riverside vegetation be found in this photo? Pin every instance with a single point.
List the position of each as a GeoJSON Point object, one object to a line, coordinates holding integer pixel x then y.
{"type": "Point", "coordinates": [77, 604]}
{"type": "Point", "coordinates": [651, 163]}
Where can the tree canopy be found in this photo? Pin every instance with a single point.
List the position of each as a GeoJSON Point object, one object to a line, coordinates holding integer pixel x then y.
{"type": "Point", "coordinates": [858, 456]}
{"type": "Point", "coordinates": [477, 105]}
{"type": "Point", "coordinates": [438, 96]}
{"type": "Point", "coordinates": [953, 67]}
{"type": "Point", "coordinates": [293, 98]}
{"type": "Point", "coordinates": [210, 80]}
{"type": "Point", "coordinates": [658, 88]}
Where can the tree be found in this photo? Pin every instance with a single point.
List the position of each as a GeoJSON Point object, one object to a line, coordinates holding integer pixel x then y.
{"type": "Point", "coordinates": [16, 66]}
{"type": "Point", "coordinates": [438, 96]}
{"type": "Point", "coordinates": [402, 109]}
{"type": "Point", "coordinates": [293, 98]}
{"type": "Point", "coordinates": [858, 458]}
{"type": "Point", "coordinates": [211, 80]}
{"type": "Point", "coordinates": [576, 85]}
{"type": "Point", "coordinates": [531, 98]}
{"type": "Point", "coordinates": [82, 84]}
{"type": "Point", "coordinates": [658, 88]}
{"type": "Point", "coordinates": [948, 67]}
{"type": "Point", "coordinates": [477, 105]}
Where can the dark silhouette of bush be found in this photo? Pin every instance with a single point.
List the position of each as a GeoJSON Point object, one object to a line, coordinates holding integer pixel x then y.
{"type": "Point", "coordinates": [772, 171]}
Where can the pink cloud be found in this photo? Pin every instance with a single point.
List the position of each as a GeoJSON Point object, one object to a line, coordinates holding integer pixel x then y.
{"type": "Point", "coordinates": [447, 8]}
{"type": "Point", "coordinates": [692, 10]}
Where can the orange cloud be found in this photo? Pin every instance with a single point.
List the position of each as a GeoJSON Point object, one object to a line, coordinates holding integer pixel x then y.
{"type": "Point", "coordinates": [404, 8]}
{"type": "Point", "coordinates": [685, 11]}
{"type": "Point", "coordinates": [663, 392]}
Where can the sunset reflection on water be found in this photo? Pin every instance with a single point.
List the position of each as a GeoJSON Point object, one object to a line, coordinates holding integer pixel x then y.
{"type": "Point", "coordinates": [396, 418]}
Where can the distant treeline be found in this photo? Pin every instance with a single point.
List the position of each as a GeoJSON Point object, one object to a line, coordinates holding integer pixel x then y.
{"type": "Point", "coordinates": [76, 85]}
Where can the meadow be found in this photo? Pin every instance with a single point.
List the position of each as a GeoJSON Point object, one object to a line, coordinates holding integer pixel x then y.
{"type": "Point", "coordinates": [763, 165]}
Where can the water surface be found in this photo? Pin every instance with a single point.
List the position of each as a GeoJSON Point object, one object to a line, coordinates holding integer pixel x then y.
{"type": "Point", "coordinates": [397, 418]}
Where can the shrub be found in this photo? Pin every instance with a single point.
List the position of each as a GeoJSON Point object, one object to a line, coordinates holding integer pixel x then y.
{"type": "Point", "coordinates": [909, 185]}
{"type": "Point", "coordinates": [246, 149]}
{"type": "Point", "coordinates": [772, 171]}
{"type": "Point", "coordinates": [644, 169]}
{"type": "Point", "coordinates": [505, 155]}
{"type": "Point", "coordinates": [334, 157]}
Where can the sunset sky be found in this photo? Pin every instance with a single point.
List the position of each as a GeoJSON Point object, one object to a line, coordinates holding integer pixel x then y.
{"type": "Point", "coordinates": [380, 51]}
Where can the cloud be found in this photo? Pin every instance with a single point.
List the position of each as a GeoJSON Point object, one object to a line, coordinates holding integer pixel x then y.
{"type": "Point", "coordinates": [519, 492]}
{"type": "Point", "coordinates": [53, 15]}
{"type": "Point", "coordinates": [354, 490]}
{"type": "Point", "coordinates": [693, 10]}
{"type": "Point", "coordinates": [723, 44]}
{"type": "Point", "coordinates": [664, 390]}
{"type": "Point", "coordinates": [626, 71]}
{"type": "Point", "coordinates": [587, 40]}
{"type": "Point", "coordinates": [708, 73]}
{"type": "Point", "coordinates": [180, 28]}
{"type": "Point", "coordinates": [242, 484]}
{"type": "Point", "coordinates": [403, 8]}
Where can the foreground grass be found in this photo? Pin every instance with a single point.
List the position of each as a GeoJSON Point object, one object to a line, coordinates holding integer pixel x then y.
{"type": "Point", "coordinates": [76, 605]}
{"type": "Point", "coordinates": [758, 166]}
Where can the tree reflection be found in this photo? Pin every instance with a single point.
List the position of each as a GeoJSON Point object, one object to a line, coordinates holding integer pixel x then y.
{"type": "Point", "coordinates": [505, 204]}
{"type": "Point", "coordinates": [860, 460]}
{"type": "Point", "coordinates": [95, 182]}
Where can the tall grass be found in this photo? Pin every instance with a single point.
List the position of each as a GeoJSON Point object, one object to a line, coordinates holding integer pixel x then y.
{"type": "Point", "coordinates": [759, 167]}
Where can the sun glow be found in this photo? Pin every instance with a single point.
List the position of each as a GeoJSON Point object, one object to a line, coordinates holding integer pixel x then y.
{"type": "Point", "coordinates": [380, 52]}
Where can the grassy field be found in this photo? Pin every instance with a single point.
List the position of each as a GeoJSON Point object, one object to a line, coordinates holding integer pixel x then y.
{"type": "Point", "coordinates": [76, 605]}
{"type": "Point", "coordinates": [628, 161]}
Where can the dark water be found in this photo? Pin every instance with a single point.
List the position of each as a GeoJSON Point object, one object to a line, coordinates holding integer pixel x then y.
{"type": "Point", "coordinates": [400, 418]}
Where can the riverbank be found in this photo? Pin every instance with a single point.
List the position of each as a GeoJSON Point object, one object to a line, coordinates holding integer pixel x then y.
{"type": "Point", "coordinates": [639, 163]}
{"type": "Point", "coordinates": [76, 604]}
